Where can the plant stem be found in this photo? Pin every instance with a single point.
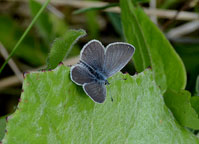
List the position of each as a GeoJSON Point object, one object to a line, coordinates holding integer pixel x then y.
{"type": "Point", "coordinates": [24, 34]}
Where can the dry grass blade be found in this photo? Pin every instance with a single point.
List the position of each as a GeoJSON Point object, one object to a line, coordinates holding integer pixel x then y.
{"type": "Point", "coordinates": [160, 13]}
{"type": "Point", "coordinates": [13, 80]}
{"type": "Point", "coordinates": [183, 29]}
{"type": "Point", "coordinates": [11, 63]}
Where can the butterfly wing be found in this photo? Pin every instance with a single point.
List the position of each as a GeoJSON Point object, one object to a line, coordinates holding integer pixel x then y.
{"type": "Point", "coordinates": [93, 53]}
{"type": "Point", "coordinates": [80, 75]}
{"type": "Point", "coordinates": [117, 56]}
{"type": "Point", "coordinates": [96, 91]}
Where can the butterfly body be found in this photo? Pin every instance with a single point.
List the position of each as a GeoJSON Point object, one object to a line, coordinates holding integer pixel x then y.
{"type": "Point", "coordinates": [98, 75]}
{"type": "Point", "coordinates": [97, 64]}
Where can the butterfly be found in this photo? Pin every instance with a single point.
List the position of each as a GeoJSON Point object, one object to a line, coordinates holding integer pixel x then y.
{"type": "Point", "coordinates": [97, 64]}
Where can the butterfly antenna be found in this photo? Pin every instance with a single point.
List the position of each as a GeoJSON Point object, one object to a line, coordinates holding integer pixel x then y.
{"type": "Point", "coordinates": [111, 98]}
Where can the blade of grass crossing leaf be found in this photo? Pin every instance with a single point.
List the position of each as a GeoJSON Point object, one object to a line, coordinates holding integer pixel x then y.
{"type": "Point", "coordinates": [62, 47]}
{"type": "Point", "coordinates": [24, 34]}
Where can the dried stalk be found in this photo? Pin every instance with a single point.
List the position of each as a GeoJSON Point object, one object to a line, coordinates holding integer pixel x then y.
{"type": "Point", "coordinates": [13, 80]}
{"type": "Point", "coordinates": [160, 13]}
{"type": "Point", "coordinates": [11, 63]}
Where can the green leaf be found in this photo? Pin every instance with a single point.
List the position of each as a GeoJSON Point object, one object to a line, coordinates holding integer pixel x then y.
{"type": "Point", "coordinates": [152, 48]}
{"type": "Point", "coordinates": [179, 103]}
{"type": "Point", "coordinates": [55, 110]}
{"type": "Point", "coordinates": [195, 103]}
{"type": "Point", "coordinates": [62, 47]}
{"type": "Point", "coordinates": [2, 127]}
{"type": "Point", "coordinates": [43, 23]}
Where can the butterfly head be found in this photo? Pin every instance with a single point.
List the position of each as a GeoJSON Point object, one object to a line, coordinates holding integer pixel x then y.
{"type": "Point", "coordinates": [106, 82]}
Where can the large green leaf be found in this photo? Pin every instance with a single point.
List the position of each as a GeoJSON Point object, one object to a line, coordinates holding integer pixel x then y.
{"type": "Point", "coordinates": [180, 105]}
{"type": "Point", "coordinates": [55, 110]}
{"type": "Point", "coordinates": [62, 47]}
{"type": "Point", "coordinates": [152, 48]}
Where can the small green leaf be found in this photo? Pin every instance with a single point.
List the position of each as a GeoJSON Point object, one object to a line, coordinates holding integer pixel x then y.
{"type": "Point", "coordinates": [152, 48]}
{"type": "Point", "coordinates": [180, 104]}
{"type": "Point", "coordinates": [195, 103]}
{"type": "Point", "coordinates": [55, 110]}
{"type": "Point", "coordinates": [62, 47]}
{"type": "Point", "coordinates": [2, 127]}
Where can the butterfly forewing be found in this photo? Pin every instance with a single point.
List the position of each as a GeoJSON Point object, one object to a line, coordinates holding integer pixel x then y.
{"type": "Point", "coordinates": [96, 91]}
{"type": "Point", "coordinates": [93, 54]}
{"type": "Point", "coordinates": [117, 56]}
{"type": "Point", "coordinates": [81, 75]}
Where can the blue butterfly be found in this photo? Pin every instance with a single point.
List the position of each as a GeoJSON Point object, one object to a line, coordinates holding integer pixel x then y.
{"type": "Point", "coordinates": [97, 64]}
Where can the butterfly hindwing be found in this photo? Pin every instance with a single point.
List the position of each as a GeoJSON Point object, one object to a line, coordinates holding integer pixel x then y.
{"type": "Point", "coordinates": [96, 91]}
{"type": "Point", "coordinates": [80, 75]}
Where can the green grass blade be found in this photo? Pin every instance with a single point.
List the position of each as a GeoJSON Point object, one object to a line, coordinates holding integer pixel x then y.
{"type": "Point", "coordinates": [24, 34]}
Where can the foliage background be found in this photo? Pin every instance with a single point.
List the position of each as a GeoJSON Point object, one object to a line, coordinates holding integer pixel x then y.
{"type": "Point", "coordinates": [104, 26]}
